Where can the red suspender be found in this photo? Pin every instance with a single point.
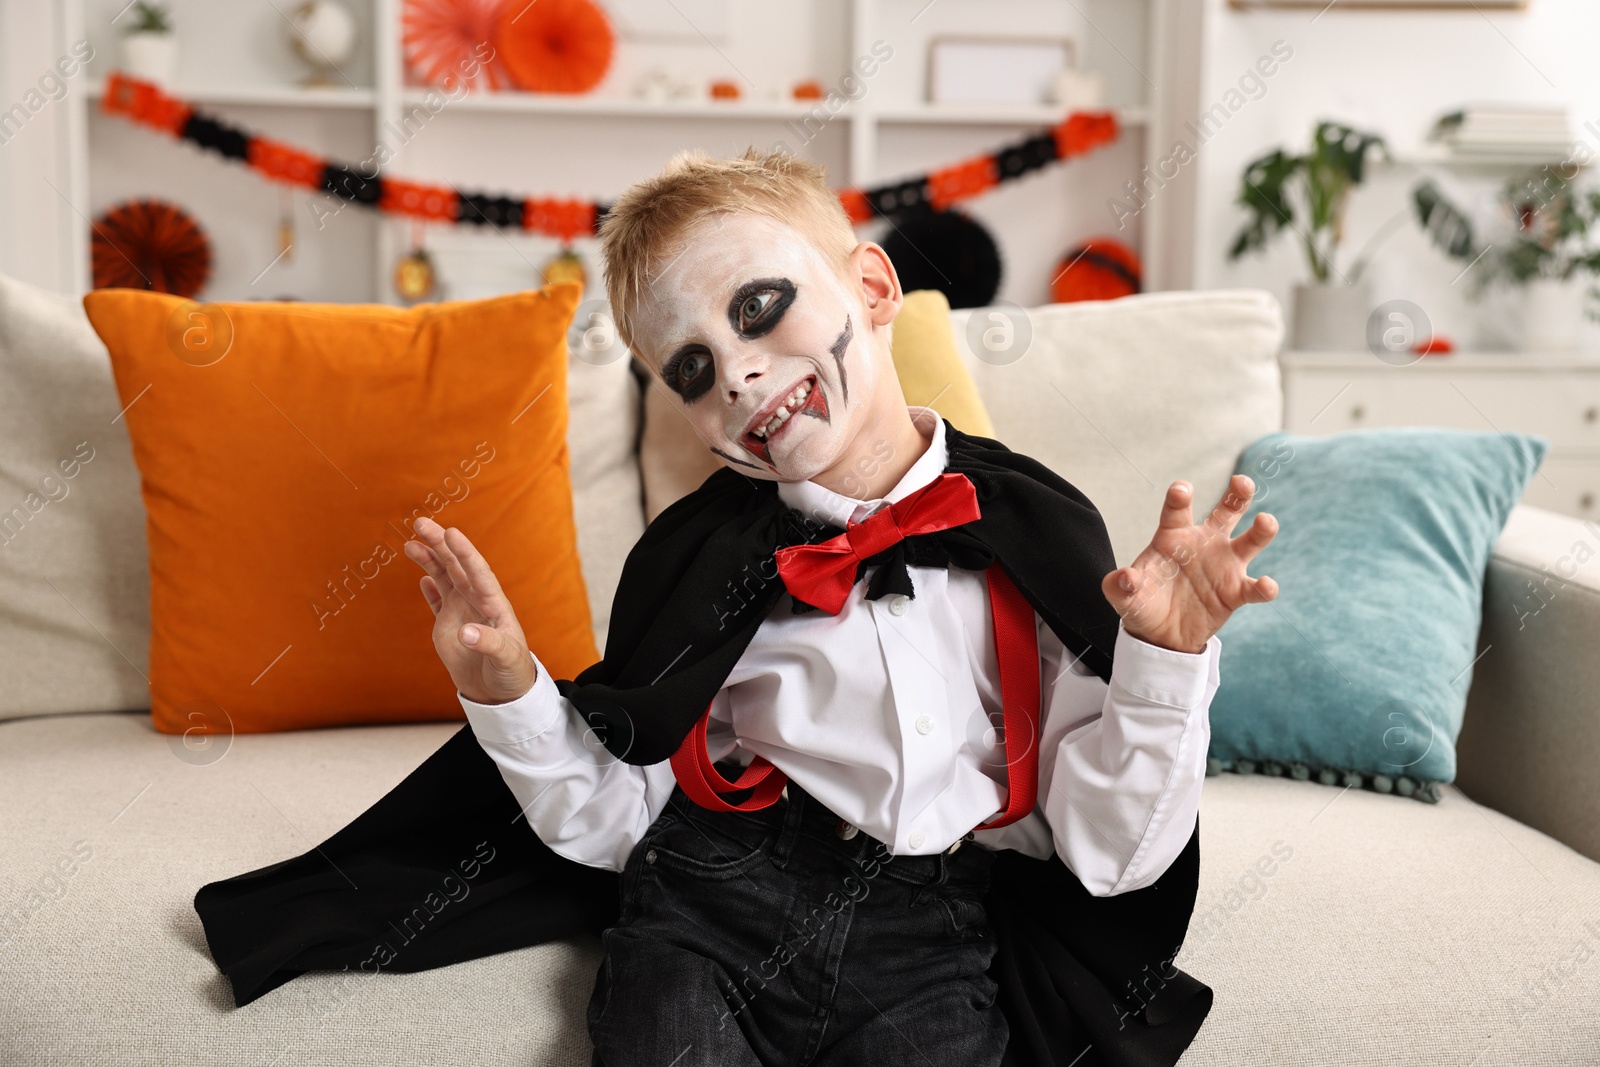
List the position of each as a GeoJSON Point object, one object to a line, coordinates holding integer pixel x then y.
{"type": "Point", "coordinates": [1017, 650]}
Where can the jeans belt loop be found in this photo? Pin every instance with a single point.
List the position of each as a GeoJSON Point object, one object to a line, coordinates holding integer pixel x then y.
{"type": "Point", "coordinates": [793, 806]}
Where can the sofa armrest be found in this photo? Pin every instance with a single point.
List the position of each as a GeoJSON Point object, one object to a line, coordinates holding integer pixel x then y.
{"type": "Point", "coordinates": [1530, 744]}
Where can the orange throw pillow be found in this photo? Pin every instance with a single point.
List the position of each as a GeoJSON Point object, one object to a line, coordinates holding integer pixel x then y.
{"type": "Point", "coordinates": [284, 450]}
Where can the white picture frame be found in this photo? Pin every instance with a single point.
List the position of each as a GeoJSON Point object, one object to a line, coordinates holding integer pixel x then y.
{"type": "Point", "coordinates": [996, 70]}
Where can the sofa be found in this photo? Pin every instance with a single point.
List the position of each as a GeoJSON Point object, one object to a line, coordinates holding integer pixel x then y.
{"type": "Point", "coordinates": [1335, 926]}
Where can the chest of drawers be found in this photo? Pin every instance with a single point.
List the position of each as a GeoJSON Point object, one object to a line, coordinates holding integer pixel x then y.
{"type": "Point", "coordinates": [1554, 395]}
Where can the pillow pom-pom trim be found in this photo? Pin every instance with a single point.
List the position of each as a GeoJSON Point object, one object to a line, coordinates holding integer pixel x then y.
{"type": "Point", "coordinates": [1403, 785]}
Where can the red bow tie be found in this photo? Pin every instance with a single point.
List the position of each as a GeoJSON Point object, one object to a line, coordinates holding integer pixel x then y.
{"type": "Point", "coordinates": [822, 574]}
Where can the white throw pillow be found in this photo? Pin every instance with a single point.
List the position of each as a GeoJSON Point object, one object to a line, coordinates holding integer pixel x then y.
{"type": "Point", "coordinates": [74, 575]}
{"type": "Point", "coordinates": [1124, 397]}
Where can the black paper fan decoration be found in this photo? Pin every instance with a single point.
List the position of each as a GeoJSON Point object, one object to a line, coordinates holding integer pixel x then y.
{"type": "Point", "coordinates": [150, 244]}
{"type": "Point", "coordinates": [949, 251]}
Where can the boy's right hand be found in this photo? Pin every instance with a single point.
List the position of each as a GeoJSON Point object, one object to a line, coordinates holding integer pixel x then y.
{"type": "Point", "coordinates": [474, 629]}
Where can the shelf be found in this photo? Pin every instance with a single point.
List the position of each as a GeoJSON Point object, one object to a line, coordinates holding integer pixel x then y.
{"type": "Point", "coordinates": [621, 107]}
{"type": "Point", "coordinates": [269, 96]}
{"type": "Point", "coordinates": [994, 115]}
{"type": "Point", "coordinates": [629, 107]}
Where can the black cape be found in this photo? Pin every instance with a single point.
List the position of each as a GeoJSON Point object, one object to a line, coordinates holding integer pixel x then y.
{"type": "Point", "coordinates": [443, 869]}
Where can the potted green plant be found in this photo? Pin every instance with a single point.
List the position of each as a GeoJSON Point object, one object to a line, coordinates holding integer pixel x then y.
{"type": "Point", "coordinates": [150, 48]}
{"type": "Point", "coordinates": [1546, 246]}
{"type": "Point", "coordinates": [1309, 194]}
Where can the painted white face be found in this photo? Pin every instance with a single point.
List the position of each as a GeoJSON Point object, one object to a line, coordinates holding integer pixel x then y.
{"type": "Point", "coordinates": [762, 343]}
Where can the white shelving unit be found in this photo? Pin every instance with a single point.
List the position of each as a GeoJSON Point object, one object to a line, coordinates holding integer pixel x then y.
{"type": "Point", "coordinates": [517, 143]}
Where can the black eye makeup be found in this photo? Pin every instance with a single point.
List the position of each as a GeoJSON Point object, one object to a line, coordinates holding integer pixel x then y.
{"type": "Point", "coordinates": [758, 305]}
{"type": "Point", "coordinates": [689, 372]}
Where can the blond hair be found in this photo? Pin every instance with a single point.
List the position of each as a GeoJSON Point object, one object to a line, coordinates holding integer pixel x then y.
{"type": "Point", "coordinates": [694, 185]}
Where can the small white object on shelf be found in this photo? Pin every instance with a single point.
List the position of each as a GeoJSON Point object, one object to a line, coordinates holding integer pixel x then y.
{"type": "Point", "coordinates": [659, 85]}
{"type": "Point", "coordinates": [150, 49]}
{"type": "Point", "coordinates": [323, 34]}
{"type": "Point", "coordinates": [1077, 90]}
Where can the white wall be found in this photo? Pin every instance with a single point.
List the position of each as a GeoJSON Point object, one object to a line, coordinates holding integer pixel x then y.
{"type": "Point", "coordinates": [42, 236]}
{"type": "Point", "coordinates": [1393, 72]}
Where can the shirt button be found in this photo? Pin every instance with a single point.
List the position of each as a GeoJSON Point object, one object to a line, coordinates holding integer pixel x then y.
{"type": "Point", "coordinates": [924, 724]}
{"type": "Point", "coordinates": [650, 856]}
{"type": "Point", "coordinates": [898, 604]}
{"type": "Point", "coordinates": [916, 839]}
{"type": "Point", "coordinates": [845, 831]}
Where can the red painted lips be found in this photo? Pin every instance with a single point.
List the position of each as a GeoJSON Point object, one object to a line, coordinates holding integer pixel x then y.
{"type": "Point", "coordinates": [814, 405]}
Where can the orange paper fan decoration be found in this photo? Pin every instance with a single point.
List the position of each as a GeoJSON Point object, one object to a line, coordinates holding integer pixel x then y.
{"type": "Point", "coordinates": [555, 46]}
{"type": "Point", "coordinates": [150, 244]}
{"type": "Point", "coordinates": [445, 40]}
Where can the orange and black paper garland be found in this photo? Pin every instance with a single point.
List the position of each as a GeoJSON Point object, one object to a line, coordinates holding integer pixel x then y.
{"type": "Point", "coordinates": [146, 104]}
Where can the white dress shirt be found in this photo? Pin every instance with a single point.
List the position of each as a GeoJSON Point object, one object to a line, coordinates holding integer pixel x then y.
{"type": "Point", "coordinates": [886, 713]}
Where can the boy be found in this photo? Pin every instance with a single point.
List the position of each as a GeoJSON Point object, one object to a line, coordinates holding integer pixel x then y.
{"type": "Point", "coordinates": [841, 921]}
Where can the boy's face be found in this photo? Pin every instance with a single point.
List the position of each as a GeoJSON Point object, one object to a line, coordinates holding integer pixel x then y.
{"type": "Point", "coordinates": [767, 350]}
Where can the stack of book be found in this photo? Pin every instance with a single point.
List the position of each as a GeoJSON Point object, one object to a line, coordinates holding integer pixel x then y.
{"type": "Point", "coordinates": [1534, 132]}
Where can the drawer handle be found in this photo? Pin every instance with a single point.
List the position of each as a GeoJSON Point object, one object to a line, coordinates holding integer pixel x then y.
{"type": "Point", "coordinates": [1358, 413]}
{"type": "Point", "coordinates": [1591, 414]}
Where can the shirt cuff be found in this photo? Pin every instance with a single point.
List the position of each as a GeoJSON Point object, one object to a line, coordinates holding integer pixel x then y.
{"type": "Point", "coordinates": [1163, 675]}
{"type": "Point", "coordinates": [522, 719]}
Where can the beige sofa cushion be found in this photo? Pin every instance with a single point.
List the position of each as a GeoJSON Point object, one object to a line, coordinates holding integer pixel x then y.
{"type": "Point", "coordinates": [1386, 931]}
{"type": "Point", "coordinates": [74, 574]}
{"type": "Point", "coordinates": [103, 959]}
{"type": "Point", "coordinates": [1124, 397]}
{"type": "Point", "coordinates": [607, 501]}
{"type": "Point", "coordinates": [1396, 932]}
{"type": "Point", "coordinates": [673, 461]}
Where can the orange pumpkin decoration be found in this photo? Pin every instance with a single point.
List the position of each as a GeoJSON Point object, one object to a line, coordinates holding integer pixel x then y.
{"type": "Point", "coordinates": [724, 90]}
{"type": "Point", "coordinates": [554, 46]}
{"type": "Point", "coordinates": [150, 244]}
{"type": "Point", "coordinates": [1100, 269]}
{"type": "Point", "coordinates": [809, 90]}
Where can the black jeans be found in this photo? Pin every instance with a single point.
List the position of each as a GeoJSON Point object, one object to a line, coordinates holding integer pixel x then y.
{"type": "Point", "coordinates": [768, 938]}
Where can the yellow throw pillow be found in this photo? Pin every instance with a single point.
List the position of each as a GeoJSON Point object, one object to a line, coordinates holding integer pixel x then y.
{"type": "Point", "coordinates": [929, 364]}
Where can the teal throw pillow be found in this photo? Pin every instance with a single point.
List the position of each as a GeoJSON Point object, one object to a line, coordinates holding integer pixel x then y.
{"type": "Point", "coordinates": [1357, 674]}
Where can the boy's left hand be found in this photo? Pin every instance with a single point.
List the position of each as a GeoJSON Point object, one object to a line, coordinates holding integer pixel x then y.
{"type": "Point", "coordinates": [1191, 577]}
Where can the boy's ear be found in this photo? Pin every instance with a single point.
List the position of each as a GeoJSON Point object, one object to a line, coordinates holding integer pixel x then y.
{"type": "Point", "coordinates": [870, 266]}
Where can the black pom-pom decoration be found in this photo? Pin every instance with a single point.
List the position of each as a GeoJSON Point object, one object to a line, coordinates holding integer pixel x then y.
{"type": "Point", "coordinates": [949, 251]}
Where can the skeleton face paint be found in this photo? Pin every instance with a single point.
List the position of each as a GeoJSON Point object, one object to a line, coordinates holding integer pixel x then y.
{"type": "Point", "coordinates": [762, 344]}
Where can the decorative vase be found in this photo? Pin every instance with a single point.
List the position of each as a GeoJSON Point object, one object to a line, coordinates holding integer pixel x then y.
{"type": "Point", "coordinates": [1552, 314]}
{"type": "Point", "coordinates": [323, 34]}
{"type": "Point", "coordinates": [151, 56]}
{"type": "Point", "coordinates": [1330, 318]}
